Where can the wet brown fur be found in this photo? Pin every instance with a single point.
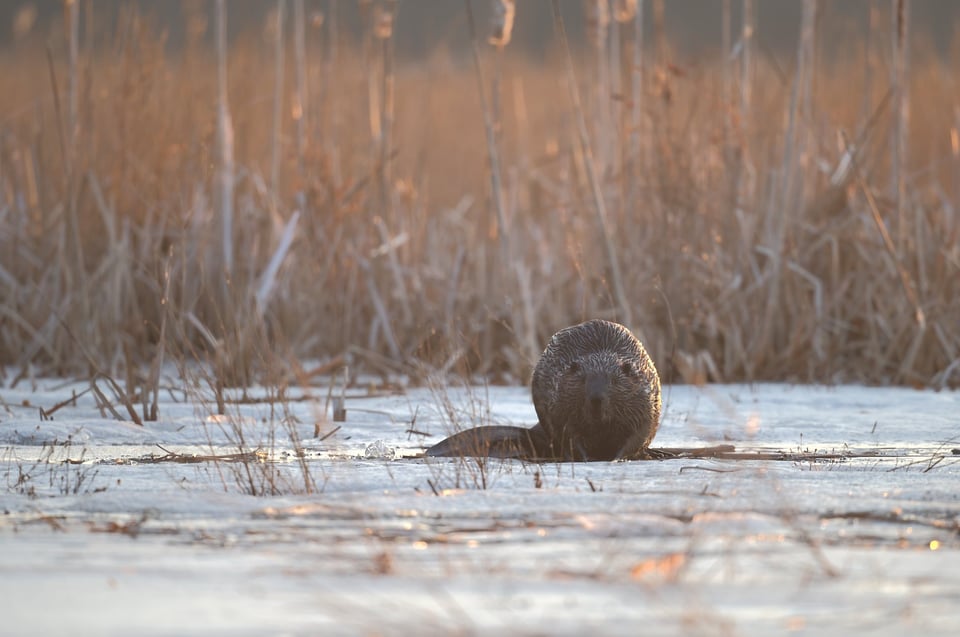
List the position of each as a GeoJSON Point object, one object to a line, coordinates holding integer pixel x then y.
{"type": "Point", "coordinates": [596, 393]}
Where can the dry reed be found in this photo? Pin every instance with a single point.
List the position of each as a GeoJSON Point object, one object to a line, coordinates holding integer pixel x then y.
{"type": "Point", "coordinates": [159, 219]}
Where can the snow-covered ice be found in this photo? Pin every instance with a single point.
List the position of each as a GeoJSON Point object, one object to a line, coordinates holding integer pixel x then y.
{"type": "Point", "coordinates": [102, 533]}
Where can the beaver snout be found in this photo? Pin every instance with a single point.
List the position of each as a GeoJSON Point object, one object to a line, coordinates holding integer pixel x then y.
{"type": "Point", "coordinates": [596, 391]}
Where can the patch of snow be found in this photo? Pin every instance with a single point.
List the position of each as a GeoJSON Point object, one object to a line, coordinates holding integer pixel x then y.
{"type": "Point", "coordinates": [123, 528]}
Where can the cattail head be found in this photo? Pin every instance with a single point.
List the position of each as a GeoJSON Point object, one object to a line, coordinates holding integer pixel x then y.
{"type": "Point", "coordinates": [598, 18]}
{"type": "Point", "coordinates": [273, 26]}
{"type": "Point", "coordinates": [383, 20]}
{"type": "Point", "coordinates": [955, 132]}
{"type": "Point", "coordinates": [502, 23]}
{"type": "Point", "coordinates": [24, 20]}
{"type": "Point", "coordinates": [197, 25]}
{"type": "Point", "coordinates": [624, 10]}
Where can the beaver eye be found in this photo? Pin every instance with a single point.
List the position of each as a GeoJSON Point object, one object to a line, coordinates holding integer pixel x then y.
{"type": "Point", "coordinates": [627, 369]}
{"type": "Point", "coordinates": [574, 367]}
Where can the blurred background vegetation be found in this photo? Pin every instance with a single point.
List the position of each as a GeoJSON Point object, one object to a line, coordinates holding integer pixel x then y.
{"type": "Point", "coordinates": [761, 190]}
{"type": "Point", "coordinates": [424, 26]}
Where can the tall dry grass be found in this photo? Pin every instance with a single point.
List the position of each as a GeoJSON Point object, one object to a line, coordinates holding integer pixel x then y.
{"type": "Point", "coordinates": [362, 223]}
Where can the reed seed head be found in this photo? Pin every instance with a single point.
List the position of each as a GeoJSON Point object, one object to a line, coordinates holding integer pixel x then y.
{"type": "Point", "coordinates": [502, 23]}
{"type": "Point", "coordinates": [383, 21]}
{"type": "Point", "coordinates": [624, 10]}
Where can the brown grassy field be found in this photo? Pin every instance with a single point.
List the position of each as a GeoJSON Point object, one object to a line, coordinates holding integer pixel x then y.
{"type": "Point", "coordinates": [792, 221]}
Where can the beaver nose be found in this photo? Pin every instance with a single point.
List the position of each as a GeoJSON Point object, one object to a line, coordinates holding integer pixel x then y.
{"type": "Point", "coordinates": [595, 391]}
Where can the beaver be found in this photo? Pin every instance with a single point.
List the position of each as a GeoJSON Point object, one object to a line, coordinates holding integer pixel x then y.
{"type": "Point", "coordinates": [597, 397]}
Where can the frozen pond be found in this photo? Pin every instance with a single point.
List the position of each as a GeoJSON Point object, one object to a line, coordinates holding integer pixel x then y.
{"type": "Point", "coordinates": [106, 528]}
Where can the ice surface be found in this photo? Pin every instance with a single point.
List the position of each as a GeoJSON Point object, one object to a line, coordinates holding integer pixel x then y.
{"type": "Point", "coordinates": [107, 527]}
{"type": "Point", "coordinates": [379, 450]}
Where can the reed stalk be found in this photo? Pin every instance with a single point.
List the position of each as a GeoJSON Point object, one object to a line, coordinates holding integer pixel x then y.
{"type": "Point", "coordinates": [493, 153]}
{"type": "Point", "coordinates": [300, 106]}
{"type": "Point", "coordinates": [384, 33]}
{"type": "Point", "coordinates": [637, 130]}
{"type": "Point", "coordinates": [600, 208]}
{"type": "Point", "coordinates": [276, 146]}
{"type": "Point", "coordinates": [746, 181]}
{"type": "Point", "coordinates": [792, 172]}
{"type": "Point", "coordinates": [123, 255]}
{"type": "Point", "coordinates": [73, 40]}
{"type": "Point", "coordinates": [869, 56]}
{"type": "Point", "coordinates": [726, 91]}
{"type": "Point", "coordinates": [224, 141]}
{"type": "Point", "coordinates": [330, 104]}
{"type": "Point", "coordinates": [899, 81]}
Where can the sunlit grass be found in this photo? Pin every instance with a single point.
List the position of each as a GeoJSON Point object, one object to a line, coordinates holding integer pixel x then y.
{"type": "Point", "coordinates": [112, 227]}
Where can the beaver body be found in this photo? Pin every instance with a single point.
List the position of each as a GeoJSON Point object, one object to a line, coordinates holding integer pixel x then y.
{"type": "Point", "coordinates": [597, 396]}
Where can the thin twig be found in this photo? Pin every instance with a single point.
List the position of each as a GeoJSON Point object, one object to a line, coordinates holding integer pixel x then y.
{"type": "Point", "coordinates": [493, 154]}
{"type": "Point", "coordinates": [600, 207]}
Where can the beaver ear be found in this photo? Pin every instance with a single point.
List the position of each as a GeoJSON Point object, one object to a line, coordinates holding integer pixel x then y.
{"type": "Point", "coordinates": [628, 368]}
{"type": "Point", "coordinates": [574, 367]}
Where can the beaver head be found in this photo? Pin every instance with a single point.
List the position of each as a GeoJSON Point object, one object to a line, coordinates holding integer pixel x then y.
{"type": "Point", "coordinates": [596, 392]}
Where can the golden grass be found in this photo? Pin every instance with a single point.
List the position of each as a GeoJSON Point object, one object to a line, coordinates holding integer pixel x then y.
{"type": "Point", "coordinates": [112, 228]}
